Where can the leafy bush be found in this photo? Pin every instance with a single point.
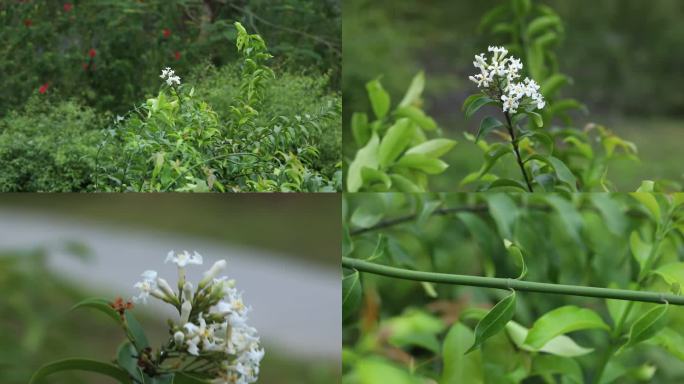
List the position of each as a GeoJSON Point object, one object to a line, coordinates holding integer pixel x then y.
{"type": "Point", "coordinates": [438, 329]}
{"type": "Point", "coordinates": [49, 145]}
{"type": "Point", "coordinates": [177, 142]}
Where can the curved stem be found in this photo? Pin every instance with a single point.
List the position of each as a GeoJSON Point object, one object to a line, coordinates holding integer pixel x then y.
{"type": "Point", "coordinates": [514, 143]}
{"type": "Point", "coordinates": [518, 285]}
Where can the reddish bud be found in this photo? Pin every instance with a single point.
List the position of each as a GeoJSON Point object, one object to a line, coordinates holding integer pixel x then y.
{"type": "Point", "coordinates": [177, 55]}
{"type": "Point", "coordinates": [92, 53]}
{"type": "Point", "coordinates": [28, 22]}
{"type": "Point", "coordinates": [68, 7]}
{"type": "Point", "coordinates": [166, 32]}
{"type": "Point", "coordinates": [43, 88]}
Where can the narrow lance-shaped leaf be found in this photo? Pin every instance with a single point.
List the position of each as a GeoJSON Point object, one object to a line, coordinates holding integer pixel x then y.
{"type": "Point", "coordinates": [351, 293]}
{"type": "Point", "coordinates": [494, 321]}
{"type": "Point", "coordinates": [394, 142]}
{"type": "Point", "coordinates": [432, 148]}
{"type": "Point", "coordinates": [380, 99]}
{"type": "Point", "coordinates": [516, 253]}
{"type": "Point", "coordinates": [560, 321]}
{"type": "Point", "coordinates": [414, 91]}
{"type": "Point", "coordinates": [646, 326]}
{"type": "Point", "coordinates": [476, 103]}
{"type": "Point", "coordinates": [136, 332]}
{"type": "Point", "coordinates": [101, 305]}
{"type": "Point", "coordinates": [87, 365]}
{"type": "Point", "coordinates": [487, 125]}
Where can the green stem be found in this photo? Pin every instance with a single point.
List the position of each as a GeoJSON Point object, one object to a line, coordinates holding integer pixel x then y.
{"type": "Point", "coordinates": [518, 285]}
{"type": "Point", "coordinates": [518, 158]}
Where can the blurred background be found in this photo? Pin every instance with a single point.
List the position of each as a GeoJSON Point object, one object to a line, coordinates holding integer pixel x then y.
{"type": "Point", "coordinates": [624, 57]}
{"type": "Point", "coordinates": [58, 249]}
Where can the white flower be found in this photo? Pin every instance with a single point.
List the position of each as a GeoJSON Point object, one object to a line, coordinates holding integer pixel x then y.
{"type": "Point", "coordinates": [146, 286]}
{"type": "Point", "coordinates": [178, 337]}
{"type": "Point", "coordinates": [170, 76]}
{"type": "Point", "coordinates": [212, 272]}
{"type": "Point", "coordinates": [183, 259]}
{"type": "Point", "coordinates": [186, 308]}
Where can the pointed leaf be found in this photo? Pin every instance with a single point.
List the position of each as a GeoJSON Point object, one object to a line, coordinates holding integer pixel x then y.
{"type": "Point", "coordinates": [414, 91]}
{"type": "Point", "coordinates": [487, 125]}
{"type": "Point", "coordinates": [394, 142]}
{"type": "Point", "coordinates": [560, 345]}
{"type": "Point", "coordinates": [101, 305]}
{"type": "Point", "coordinates": [418, 117]}
{"type": "Point", "coordinates": [494, 321]}
{"type": "Point", "coordinates": [87, 365]}
{"type": "Point", "coordinates": [459, 367]}
{"type": "Point", "coordinates": [379, 98]}
{"type": "Point", "coordinates": [365, 157]}
{"type": "Point", "coordinates": [646, 326]}
{"type": "Point", "coordinates": [432, 148]}
{"type": "Point", "coordinates": [360, 128]}
{"type": "Point", "coordinates": [351, 293]}
{"type": "Point", "coordinates": [423, 163]}
{"type": "Point", "coordinates": [136, 332]}
{"type": "Point", "coordinates": [561, 321]}
{"type": "Point", "coordinates": [476, 104]}
{"type": "Point", "coordinates": [649, 202]}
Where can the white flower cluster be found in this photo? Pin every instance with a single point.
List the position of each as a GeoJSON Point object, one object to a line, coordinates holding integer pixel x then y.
{"type": "Point", "coordinates": [500, 76]}
{"type": "Point", "coordinates": [169, 75]}
{"type": "Point", "coordinates": [213, 318]}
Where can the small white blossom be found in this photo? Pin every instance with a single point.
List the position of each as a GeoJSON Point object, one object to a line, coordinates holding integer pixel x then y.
{"type": "Point", "coordinates": [498, 77]}
{"type": "Point", "coordinates": [170, 76]}
{"type": "Point", "coordinates": [183, 259]}
{"type": "Point", "coordinates": [146, 286]}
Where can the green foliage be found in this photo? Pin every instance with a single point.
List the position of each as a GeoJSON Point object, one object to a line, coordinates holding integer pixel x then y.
{"type": "Point", "coordinates": [576, 239]}
{"type": "Point", "coordinates": [49, 146]}
{"type": "Point", "coordinates": [395, 152]}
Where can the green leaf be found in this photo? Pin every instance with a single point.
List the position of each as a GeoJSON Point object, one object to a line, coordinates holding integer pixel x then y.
{"type": "Point", "coordinates": [562, 172]}
{"type": "Point", "coordinates": [370, 176]}
{"type": "Point", "coordinates": [494, 321]}
{"type": "Point", "coordinates": [476, 104]}
{"type": "Point", "coordinates": [553, 84]}
{"type": "Point", "coordinates": [417, 116]}
{"type": "Point", "coordinates": [561, 321]}
{"type": "Point", "coordinates": [423, 163]}
{"type": "Point", "coordinates": [516, 253]}
{"type": "Point", "coordinates": [561, 106]}
{"type": "Point", "coordinates": [369, 212]}
{"type": "Point", "coordinates": [126, 358]}
{"type": "Point", "coordinates": [360, 128]}
{"type": "Point", "coordinates": [347, 242]}
{"type": "Point", "coordinates": [641, 250]}
{"type": "Point", "coordinates": [507, 184]}
{"type": "Point", "coordinates": [101, 305]}
{"type": "Point", "coordinates": [649, 202]}
{"type": "Point", "coordinates": [373, 370]}
{"type": "Point", "coordinates": [536, 118]}
{"type": "Point", "coordinates": [646, 326]}
{"type": "Point", "coordinates": [351, 293]}
{"type": "Point", "coordinates": [541, 23]}
{"type": "Point", "coordinates": [365, 157]}
{"type": "Point", "coordinates": [504, 211]}
{"type": "Point", "coordinates": [432, 148]}
{"type": "Point", "coordinates": [487, 125]}
{"type": "Point", "coordinates": [560, 345]}
{"type": "Point", "coordinates": [394, 142]}
{"type": "Point", "coordinates": [380, 251]}
{"type": "Point", "coordinates": [414, 91]}
{"type": "Point", "coordinates": [459, 367]}
{"type": "Point", "coordinates": [673, 274]}
{"type": "Point", "coordinates": [612, 213]}
{"type": "Point", "coordinates": [379, 98]}
{"type": "Point", "coordinates": [402, 184]}
{"type": "Point", "coordinates": [165, 379]}
{"type": "Point", "coordinates": [549, 365]}
{"type": "Point", "coordinates": [136, 332]}
{"type": "Point", "coordinates": [184, 378]}
{"type": "Point", "coordinates": [646, 186]}
{"type": "Point", "coordinates": [87, 365]}
{"type": "Point", "coordinates": [670, 340]}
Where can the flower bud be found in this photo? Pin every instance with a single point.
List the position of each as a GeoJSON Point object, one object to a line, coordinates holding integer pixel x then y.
{"type": "Point", "coordinates": [187, 290]}
{"type": "Point", "coordinates": [212, 272]}
{"type": "Point", "coordinates": [165, 287]}
{"type": "Point", "coordinates": [186, 308]}
{"type": "Point", "coordinates": [178, 337]}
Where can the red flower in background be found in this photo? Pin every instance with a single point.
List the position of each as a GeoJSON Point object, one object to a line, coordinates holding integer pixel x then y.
{"type": "Point", "coordinates": [28, 22]}
{"type": "Point", "coordinates": [166, 32]}
{"type": "Point", "coordinates": [92, 53]}
{"type": "Point", "coordinates": [177, 55]}
{"type": "Point", "coordinates": [43, 88]}
{"type": "Point", "coordinates": [68, 7]}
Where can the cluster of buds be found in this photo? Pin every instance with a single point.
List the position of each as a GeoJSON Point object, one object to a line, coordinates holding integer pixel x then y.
{"type": "Point", "coordinates": [498, 78]}
{"type": "Point", "coordinates": [213, 320]}
{"type": "Point", "coordinates": [170, 76]}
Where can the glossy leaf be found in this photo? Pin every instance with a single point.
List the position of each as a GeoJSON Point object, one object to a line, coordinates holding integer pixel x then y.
{"type": "Point", "coordinates": [136, 332]}
{"type": "Point", "coordinates": [673, 274]}
{"type": "Point", "coordinates": [459, 367]}
{"type": "Point", "coordinates": [649, 202]}
{"type": "Point", "coordinates": [476, 104]}
{"type": "Point", "coordinates": [414, 91]}
{"type": "Point", "coordinates": [127, 358]}
{"type": "Point", "coordinates": [379, 98]}
{"type": "Point", "coordinates": [517, 255]}
{"type": "Point", "coordinates": [351, 293]}
{"type": "Point", "coordinates": [432, 148]}
{"type": "Point", "coordinates": [670, 340]}
{"type": "Point", "coordinates": [423, 163]}
{"type": "Point", "coordinates": [487, 125]}
{"type": "Point", "coordinates": [374, 370]}
{"type": "Point", "coordinates": [101, 305]}
{"type": "Point", "coordinates": [371, 176]}
{"type": "Point", "coordinates": [560, 345]}
{"type": "Point", "coordinates": [87, 365]}
{"type": "Point", "coordinates": [504, 211]}
{"type": "Point", "coordinates": [561, 321]}
{"type": "Point", "coordinates": [394, 142]}
{"type": "Point", "coordinates": [365, 157]}
{"type": "Point", "coordinates": [647, 326]}
{"type": "Point", "coordinates": [551, 85]}
{"type": "Point", "coordinates": [546, 365]}
{"type": "Point", "coordinates": [418, 117]}
{"type": "Point", "coordinates": [360, 128]}
{"type": "Point", "coordinates": [495, 321]}
{"type": "Point", "coordinates": [403, 184]}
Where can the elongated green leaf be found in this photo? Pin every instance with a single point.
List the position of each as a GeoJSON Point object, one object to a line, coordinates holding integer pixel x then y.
{"type": "Point", "coordinates": [649, 202]}
{"type": "Point", "coordinates": [487, 125]}
{"type": "Point", "coordinates": [374, 370]}
{"type": "Point", "coordinates": [517, 255]}
{"type": "Point", "coordinates": [371, 176]}
{"type": "Point", "coordinates": [671, 340]}
{"type": "Point", "coordinates": [101, 305]}
{"type": "Point", "coordinates": [561, 321]}
{"type": "Point", "coordinates": [458, 367]}
{"type": "Point", "coordinates": [564, 105]}
{"type": "Point", "coordinates": [562, 172]}
{"type": "Point", "coordinates": [365, 157]}
{"type": "Point", "coordinates": [504, 211]}
{"type": "Point", "coordinates": [476, 104]}
{"type": "Point", "coordinates": [560, 345]}
{"type": "Point", "coordinates": [553, 84]}
{"type": "Point", "coordinates": [508, 184]}
{"type": "Point", "coordinates": [380, 251]}
{"type": "Point", "coordinates": [432, 148]}
{"type": "Point", "coordinates": [414, 91]}
{"type": "Point", "coordinates": [646, 326]}
{"type": "Point", "coordinates": [641, 250]}
{"type": "Point", "coordinates": [360, 128]}
{"type": "Point", "coordinates": [541, 23]}
{"type": "Point", "coordinates": [673, 274]}
{"type": "Point", "coordinates": [402, 184]}
{"type": "Point", "coordinates": [568, 368]}
{"type": "Point", "coordinates": [495, 321]}
{"type": "Point", "coordinates": [417, 116]}
{"type": "Point", "coordinates": [136, 332]}
{"type": "Point", "coordinates": [394, 142]}
{"type": "Point", "coordinates": [351, 293]}
{"type": "Point", "coordinates": [536, 118]}
{"type": "Point", "coordinates": [423, 163]}
{"type": "Point", "coordinates": [87, 365]}
{"type": "Point", "coordinates": [379, 98]}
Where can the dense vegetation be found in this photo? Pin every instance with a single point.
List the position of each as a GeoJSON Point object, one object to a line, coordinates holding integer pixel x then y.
{"type": "Point", "coordinates": [249, 118]}
{"type": "Point", "coordinates": [411, 332]}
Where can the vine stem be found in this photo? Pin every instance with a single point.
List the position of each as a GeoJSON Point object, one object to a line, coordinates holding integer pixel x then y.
{"type": "Point", "coordinates": [514, 143]}
{"type": "Point", "coordinates": [518, 285]}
